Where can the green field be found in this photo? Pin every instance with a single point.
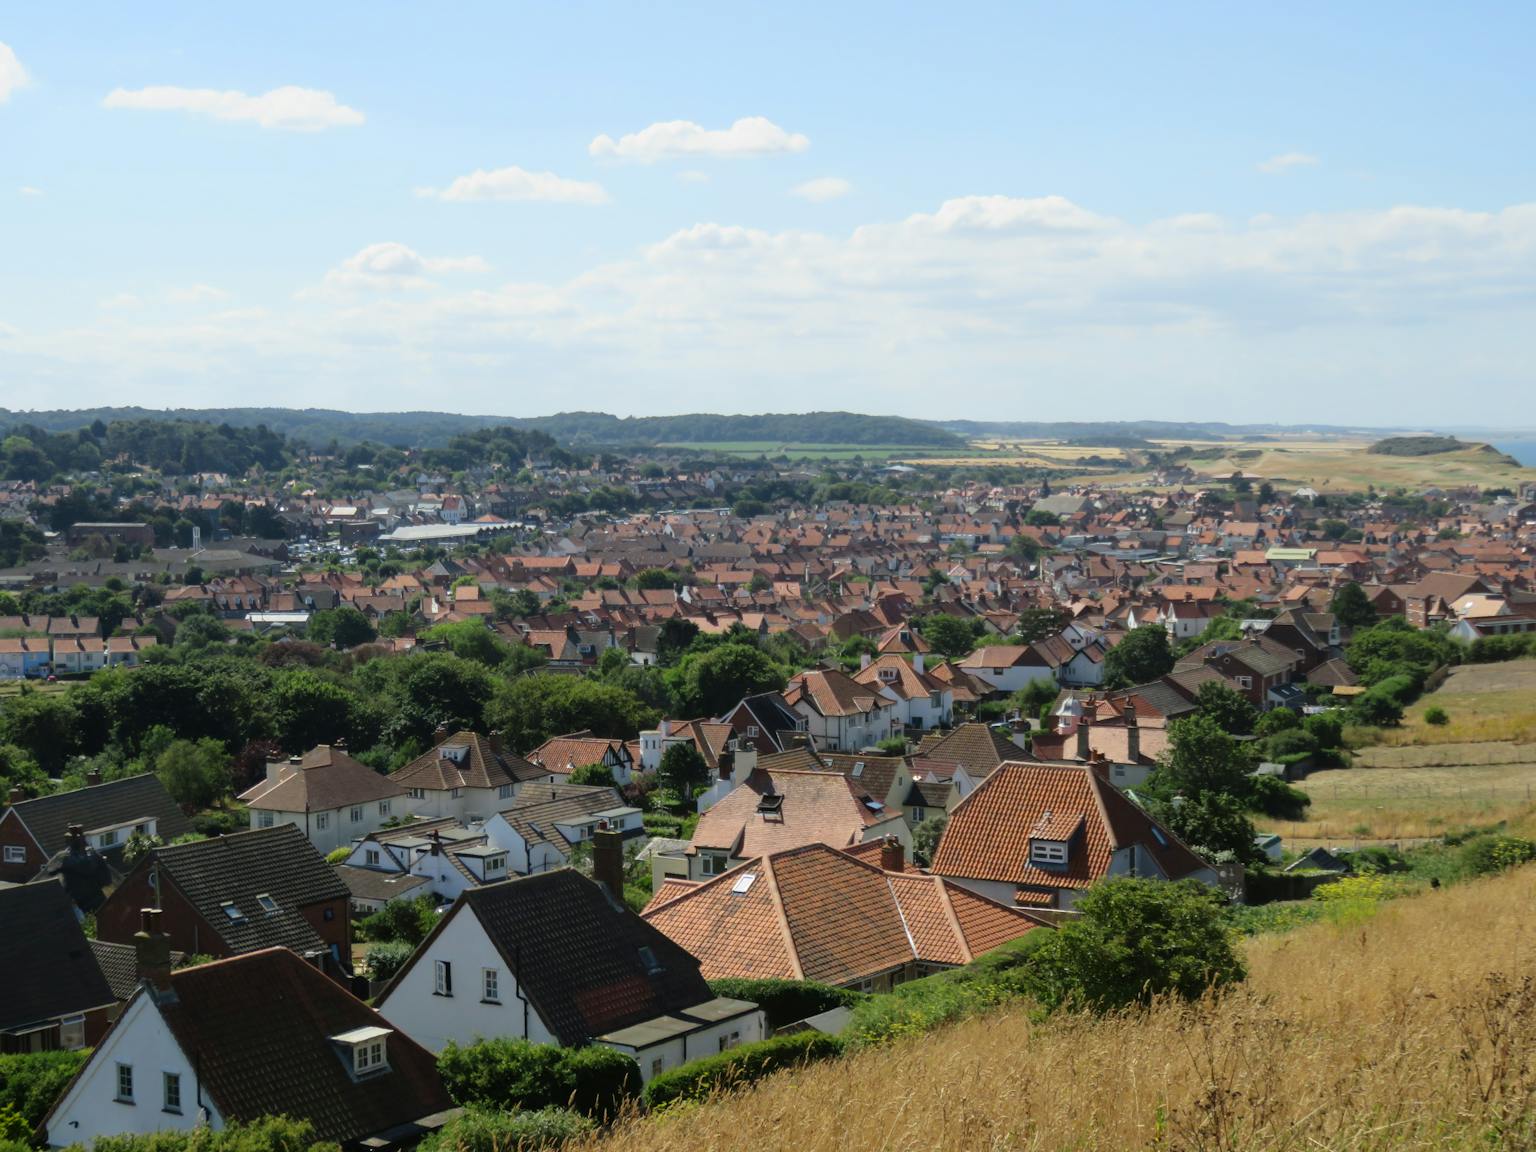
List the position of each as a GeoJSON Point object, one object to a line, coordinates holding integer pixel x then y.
{"type": "Point", "coordinates": [801, 451]}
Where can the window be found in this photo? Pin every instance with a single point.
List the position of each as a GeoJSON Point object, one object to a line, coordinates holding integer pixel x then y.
{"type": "Point", "coordinates": [504, 792]}
{"type": "Point", "coordinates": [729, 1042]}
{"type": "Point", "coordinates": [751, 730]}
{"type": "Point", "coordinates": [357, 814]}
{"type": "Point", "coordinates": [125, 1083]}
{"type": "Point", "coordinates": [1245, 681]}
{"type": "Point", "coordinates": [141, 830]}
{"type": "Point", "coordinates": [235, 915]}
{"type": "Point", "coordinates": [656, 1067]}
{"type": "Point", "coordinates": [1047, 852]}
{"type": "Point", "coordinates": [456, 793]}
{"type": "Point", "coordinates": [109, 838]}
{"type": "Point", "coordinates": [368, 1057]}
{"type": "Point", "coordinates": [265, 819]}
{"type": "Point", "coordinates": [72, 1032]}
{"type": "Point", "coordinates": [491, 979]}
{"type": "Point", "coordinates": [919, 815]}
{"type": "Point", "coordinates": [173, 1092]}
{"type": "Point", "coordinates": [711, 864]}
{"type": "Point", "coordinates": [418, 793]}
{"type": "Point", "coordinates": [15, 854]}
{"type": "Point", "coordinates": [267, 903]}
{"type": "Point", "coordinates": [322, 821]}
{"type": "Point", "coordinates": [443, 978]}
{"type": "Point", "coordinates": [371, 856]}
{"type": "Point", "coordinates": [383, 807]}
{"type": "Point", "coordinates": [495, 863]}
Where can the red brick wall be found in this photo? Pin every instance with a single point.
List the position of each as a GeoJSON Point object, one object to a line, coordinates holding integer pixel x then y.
{"type": "Point", "coordinates": [13, 832]}
{"type": "Point", "coordinates": [118, 919]}
{"type": "Point", "coordinates": [337, 930]}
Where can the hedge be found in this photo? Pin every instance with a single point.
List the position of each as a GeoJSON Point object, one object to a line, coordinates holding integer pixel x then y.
{"type": "Point", "coordinates": [486, 1130]}
{"type": "Point", "coordinates": [506, 1074]}
{"type": "Point", "coordinates": [787, 1001]}
{"type": "Point", "coordinates": [31, 1082]}
{"type": "Point", "coordinates": [739, 1066]}
{"type": "Point", "coordinates": [269, 1134]}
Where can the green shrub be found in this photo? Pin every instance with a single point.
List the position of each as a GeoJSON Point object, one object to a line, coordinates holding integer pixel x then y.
{"type": "Point", "coordinates": [1378, 860]}
{"type": "Point", "coordinates": [269, 1134]}
{"type": "Point", "coordinates": [31, 1082]}
{"type": "Point", "coordinates": [384, 960]}
{"type": "Point", "coordinates": [1436, 715]}
{"type": "Point", "coordinates": [407, 921]}
{"type": "Point", "coordinates": [740, 1066]}
{"type": "Point", "coordinates": [990, 710]}
{"type": "Point", "coordinates": [1288, 742]}
{"type": "Point", "coordinates": [338, 855]}
{"type": "Point", "coordinates": [486, 1130]}
{"type": "Point", "coordinates": [787, 1001]}
{"type": "Point", "coordinates": [1136, 940]}
{"type": "Point", "coordinates": [1487, 854]}
{"type": "Point", "coordinates": [504, 1073]}
{"type": "Point", "coordinates": [1277, 799]}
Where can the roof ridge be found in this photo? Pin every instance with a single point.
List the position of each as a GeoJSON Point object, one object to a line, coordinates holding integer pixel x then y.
{"type": "Point", "coordinates": [953, 917]}
{"type": "Point", "coordinates": [901, 914]}
{"type": "Point", "coordinates": [776, 900]}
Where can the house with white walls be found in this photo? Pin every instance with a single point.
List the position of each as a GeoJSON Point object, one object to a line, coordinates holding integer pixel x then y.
{"type": "Point", "coordinates": [327, 795]}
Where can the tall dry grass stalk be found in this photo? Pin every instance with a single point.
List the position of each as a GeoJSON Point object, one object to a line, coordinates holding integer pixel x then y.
{"type": "Point", "coordinates": [1415, 1028]}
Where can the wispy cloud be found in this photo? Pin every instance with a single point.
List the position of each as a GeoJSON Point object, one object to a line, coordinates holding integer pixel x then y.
{"type": "Point", "coordinates": [513, 183]}
{"type": "Point", "coordinates": [289, 108]}
{"type": "Point", "coordinates": [393, 266]}
{"type": "Point", "coordinates": [28, 190]}
{"type": "Point", "coordinates": [1288, 160]}
{"type": "Point", "coordinates": [12, 74]}
{"type": "Point", "coordinates": [675, 139]}
{"type": "Point", "coordinates": [822, 189]}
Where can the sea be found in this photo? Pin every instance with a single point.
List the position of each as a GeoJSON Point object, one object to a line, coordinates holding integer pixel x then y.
{"type": "Point", "coordinates": [1522, 450]}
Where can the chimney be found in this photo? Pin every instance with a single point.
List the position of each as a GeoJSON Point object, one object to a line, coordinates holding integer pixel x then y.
{"type": "Point", "coordinates": [863, 661]}
{"type": "Point", "coordinates": [608, 860]}
{"type": "Point", "coordinates": [494, 739]}
{"type": "Point", "coordinates": [340, 746]}
{"type": "Point", "coordinates": [440, 734]}
{"type": "Point", "coordinates": [1132, 733]}
{"type": "Point", "coordinates": [1083, 727]}
{"type": "Point", "coordinates": [436, 847]}
{"type": "Point", "coordinates": [75, 837]}
{"type": "Point", "coordinates": [918, 663]}
{"type": "Point", "coordinates": [17, 795]}
{"type": "Point", "coordinates": [92, 778]}
{"type": "Point", "coordinates": [152, 951]}
{"type": "Point", "coordinates": [893, 857]}
{"type": "Point", "coordinates": [745, 761]}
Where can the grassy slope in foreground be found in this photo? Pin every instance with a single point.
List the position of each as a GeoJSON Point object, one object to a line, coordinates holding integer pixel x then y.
{"type": "Point", "coordinates": [1411, 1028]}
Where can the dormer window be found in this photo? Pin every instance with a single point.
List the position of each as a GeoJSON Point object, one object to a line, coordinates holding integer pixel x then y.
{"type": "Point", "coordinates": [367, 1049]}
{"type": "Point", "coordinates": [1052, 853]}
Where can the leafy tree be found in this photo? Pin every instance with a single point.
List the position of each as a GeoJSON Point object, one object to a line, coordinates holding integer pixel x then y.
{"type": "Point", "coordinates": [30, 1083]}
{"type": "Point", "coordinates": [307, 709]}
{"type": "Point", "coordinates": [470, 640]}
{"type": "Point", "coordinates": [45, 726]}
{"type": "Point", "coordinates": [1040, 518]}
{"type": "Point", "coordinates": [925, 838]}
{"type": "Point", "coordinates": [1276, 720]}
{"type": "Point", "coordinates": [1040, 623]}
{"type": "Point", "coordinates": [401, 921]}
{"type": "Point", "coordinates": [948, 635]}
{"type": "Point", "coordinates": [137, 847]}
{"type": "Point", "coordinates": [503, 1073]}
{"type": "Point", "coordinates": [1230, 709]}
{"type": "Point", "coordinates": [1136, 940]}
{"type": "Point", "coordinates": [709, 683]}
{"type": "Point", "coordinates": [675, 637]}
{"type": "Point", "coordinates": [1212, 823]}
{"type": "Point", "coordinates": [195, 773]}
{"type": "Point", "coordinates": [598, 775]}
{"type": "Point", "coordinates": [343, 627]}
{"type": "Point", "coordinates": [1201, 758]}
{"type": "Point", "coordinates": [1377, 709]}
{"type": "Point", "coordinates": [531, 709]}
{"type": "Point", "coordinates": [682, 769]}
{"type": "Point", "coordinates": [1352, 607]}
{"type": "Point", "coordinates": [1140, 658]}
{"type": "Point", "coordinates": [655, 579]}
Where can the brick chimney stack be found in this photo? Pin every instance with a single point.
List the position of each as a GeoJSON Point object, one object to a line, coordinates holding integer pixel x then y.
{"type": "Point", "coordinates": [16, 795]}
{"type": "Point", "coordinates": [1132, 733]}
{"type": "Point", "coordinates": [152, 950]}
{"type": "Point", "coordinates": [608, 860]}
{"type": "Point", "coordinates": [893, 857]}
{"type": "Point", "coordinates": [92, 778]}
{"type": "Point", "coordinates": [440, 734]}
{"type": "Point", "coordinates": [495, 739]}
{"type": "Point", "coordinates": [1084, 726]}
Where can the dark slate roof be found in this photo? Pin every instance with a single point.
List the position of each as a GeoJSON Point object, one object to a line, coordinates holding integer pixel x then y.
{"type": "Point", "coordinates": [120, 965]}
{"type": "Point", "coordinates": [278, 862]}
{"type": "Point", "coordinates": [539, 807]}
{"type": "Point", "coordinates": [49, 968]}
{"type": "Point", "coordinates": [375, 884]}
{"type": "Point", "coordinates": [577, 954]}
{"type": "Point", "coordinates": [259, 1027]}
{"type": "Point", "coordinates": [48, 817]}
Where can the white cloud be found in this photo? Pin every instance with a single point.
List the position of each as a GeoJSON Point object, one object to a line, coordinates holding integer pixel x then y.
{"type": "Point", "coordinates": [12, 74]}
{"type": "Point", "coordinates": [515, 183]}
{"type": "Point", "coordinates": [693, 176]}
{"type": "Point", "coordinates": [291, 108]}
{"type": "Point", "coordinates": [28, 190]}
{"type": "Point", "coordinates": [197, 294]}
{"type": "Point", "coordinates": [1003, 305]}
{"type": "Point", "coordinates": [822, 189]}
{"type": "Point", "coordinates": [672, 139]}
{"type": "Point", "coordinates": [390, 266]}
{"type": "Point", "coordinates": [1288, 160]}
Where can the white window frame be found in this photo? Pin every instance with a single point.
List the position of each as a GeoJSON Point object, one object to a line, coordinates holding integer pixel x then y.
{"type": "Point", "coordinates": [322, 821]}
{"type": "Point", "coordinates": [1047, 852]}
{"type": "Point", "coordinates": [15, 853]}
{"type": "Point", "coordinates": [418, 793]}
{"type": "Point", "coordinates": [356, 814]}
{"type": "Point", "coordinates": [504, 792]}
{"type": "Point", "coordinates": [383, 807]}
{"type": "Point", "coordinates": [369, 1058]}
{"type": "Point", "coordinates": [490, 986]}
{"type": "Point", "coordinates": [170, 1085]}
{"type": "Point", "coordinates": [1244, 681]}
{"type": "Point", "coordinates": [442, 977]}
{"type": "Point", "coordinates": [370, 856]}
{"type": "Point", "coordinates": [713, 864]}
{"type": "Point", "coordinates": [265, 819]}
{"type": "Point", "coordinates": [124, 1084]}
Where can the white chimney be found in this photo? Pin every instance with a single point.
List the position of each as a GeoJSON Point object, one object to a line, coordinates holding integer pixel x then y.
{"type": "Point", "coordinates": [863, 661]}
{"type": "Point", "coordinates": [744, 765]}
{"type": "Point", "coordinates": [917, 663]}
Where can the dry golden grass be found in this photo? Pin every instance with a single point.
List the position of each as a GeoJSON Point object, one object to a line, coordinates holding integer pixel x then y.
{"type": "Point", "coordinates": [1485, 702]}
{"type": "Point", "coordinates": [1414, 1029]}
{"type": "Point", "coordinates": [1428, 792]}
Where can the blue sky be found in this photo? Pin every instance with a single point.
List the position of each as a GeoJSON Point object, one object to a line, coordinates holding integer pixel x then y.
{"type": "Point", "coordinates": [1001, 211]}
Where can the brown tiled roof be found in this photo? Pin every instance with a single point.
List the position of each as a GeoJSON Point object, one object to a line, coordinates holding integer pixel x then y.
{"type": "Point", "coordinates": [575, 750]}
{"type": "Point", "coordinates": [816, 913]}
{"type": "Point", "coordinates": [834, 693]}
{"type": "Point", "coordinates": [258, 1027]}
{"type": "Point", "coordinates": [815, 808]}
{"type": "Point", "coordinates": [324, 779]}
{"type": "Point", "coordinates": [973, 745]}
{"type": "Point", "coordinates": [988, 833]}
{"type": "Point", "coordinates": [49, 969]}
{"type": "Point", "coordinates": [482, 766]}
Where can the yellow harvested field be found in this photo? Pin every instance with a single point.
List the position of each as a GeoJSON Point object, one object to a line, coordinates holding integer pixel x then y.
{"type": "Point", "coordinates": [1483, 702]}
{"type": "Point", "coordinates": [1367, 1032]}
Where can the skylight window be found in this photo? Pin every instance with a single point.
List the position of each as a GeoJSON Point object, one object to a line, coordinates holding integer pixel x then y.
{"type": "Point", "coordinates": [232, 912]}
{"type": "Point", "coordinates": [1157, 834]}
{"type": "Point", "coordinates": [267, 903]}
{"type": "Point", "coordinates": [858, 770]}
{"type": "Point", "coordinates": [648, 958]}
{"type": "Point", "coordinates": [743, 883]}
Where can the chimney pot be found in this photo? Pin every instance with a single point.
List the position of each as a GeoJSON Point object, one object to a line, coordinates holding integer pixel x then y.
{"type": "Point", "coordinates": [893, 856]}
{"type": "Point", "coordinates": [92, 778]}
{"type": "Point", "coordinates": [152, 951]}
